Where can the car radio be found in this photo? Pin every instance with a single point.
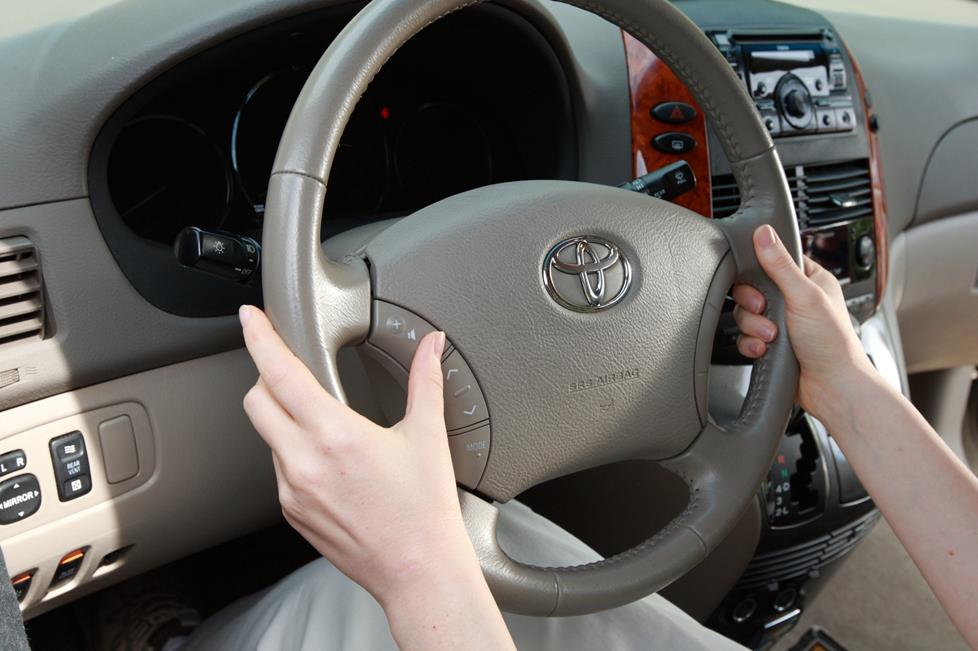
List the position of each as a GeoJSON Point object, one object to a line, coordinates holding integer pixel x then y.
{"type": "Point", "coordinates": [797, 80]}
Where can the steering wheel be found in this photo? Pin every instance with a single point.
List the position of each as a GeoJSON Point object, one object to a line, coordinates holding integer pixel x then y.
{"type": "Point", "coordinates": [581, 316]}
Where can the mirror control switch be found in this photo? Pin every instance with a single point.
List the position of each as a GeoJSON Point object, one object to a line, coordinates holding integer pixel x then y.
{"type": "Point", "coordinates": [20, 498]}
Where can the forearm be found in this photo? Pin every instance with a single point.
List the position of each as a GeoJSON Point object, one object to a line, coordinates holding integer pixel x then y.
{"type": "Point", "coordinates": [928, 496]}
{"type": "Point", "coordinates": [454, 609]}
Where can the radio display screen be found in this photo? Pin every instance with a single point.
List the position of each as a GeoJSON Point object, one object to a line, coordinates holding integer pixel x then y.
{"type": "Point", "coordinates": [766, 64]}
{"type": "Point", "coordinates": [830, 248]}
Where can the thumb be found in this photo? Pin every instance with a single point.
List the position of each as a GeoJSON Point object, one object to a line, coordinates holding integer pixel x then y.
{"type": "Point", "coordinates": [778, 263]}
{"type": "Point", "coordinates": [425, 402]}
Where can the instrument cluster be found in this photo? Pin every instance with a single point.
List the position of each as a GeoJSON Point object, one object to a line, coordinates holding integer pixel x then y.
{"type": "Point", "coordinates": [450, 112]}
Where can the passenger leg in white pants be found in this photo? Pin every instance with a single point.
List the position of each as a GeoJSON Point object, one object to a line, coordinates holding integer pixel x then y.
{"type": "Point", "coordinates": [318, 608]}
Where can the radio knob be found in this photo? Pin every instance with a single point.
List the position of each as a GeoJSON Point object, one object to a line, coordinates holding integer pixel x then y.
{"type": "Point", "coordinates": [796, 104]}
{"type": "Point", "coordinates": [866, 252]}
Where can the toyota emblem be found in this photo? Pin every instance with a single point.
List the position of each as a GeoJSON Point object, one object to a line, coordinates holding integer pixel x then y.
{"type": "Point", "coordinates": [586, 274]}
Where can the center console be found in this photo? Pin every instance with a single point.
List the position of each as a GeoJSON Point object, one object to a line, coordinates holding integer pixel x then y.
{"type": "Point", "coordinates": [809, 94]}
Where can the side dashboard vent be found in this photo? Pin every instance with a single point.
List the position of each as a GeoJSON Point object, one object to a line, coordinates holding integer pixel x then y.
{"type": "Point", "coordinates": [823, 194]}
{"type": "Point", "coordinates": [21, 295]}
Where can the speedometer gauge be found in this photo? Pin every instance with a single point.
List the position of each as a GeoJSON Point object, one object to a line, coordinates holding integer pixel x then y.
{"type": "Point", "coordinates": [257, 129]}
{"type": "Point", "coordinates": [442, 150]}
{"type": "Point", "coordinates": [358, 180]}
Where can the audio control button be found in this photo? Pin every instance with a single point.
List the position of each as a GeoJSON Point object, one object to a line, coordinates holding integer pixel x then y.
{"type": "Point", "coordinates": [845, 119]}
{"type": "Point", "coordinates": [771, 122]}
{"type": "Point", "coordinates": [866, 252]}
{"type": "Point", "coordinates": [397, 331]}
{"type": "Point", "coordinates": [470, 453]}
{"type": "Point", "coordinates": [464, 403]}
{"type": "Point", "coordinates": [825, 119]}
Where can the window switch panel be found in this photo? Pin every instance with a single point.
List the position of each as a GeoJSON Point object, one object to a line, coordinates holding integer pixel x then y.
{"type": "Point", "coordinates": [71, 468]}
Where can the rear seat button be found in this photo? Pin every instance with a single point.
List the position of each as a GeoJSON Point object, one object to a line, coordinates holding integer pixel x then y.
{"type": "Point", "coordinates": [68, 567]}
{"type": "Point", "coordinates": [22, 584]}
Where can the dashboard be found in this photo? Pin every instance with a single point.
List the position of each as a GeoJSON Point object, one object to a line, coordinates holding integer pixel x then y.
{"type": "Point", "coordinates": [137, 120]}
{"type": "Point", "coordinates": [195, 146]}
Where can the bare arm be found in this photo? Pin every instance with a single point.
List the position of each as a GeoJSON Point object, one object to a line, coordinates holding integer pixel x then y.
{"type": "Point", "coordinates": [379, 503]}
{"type": "Point", "coordinates": [928, 496]}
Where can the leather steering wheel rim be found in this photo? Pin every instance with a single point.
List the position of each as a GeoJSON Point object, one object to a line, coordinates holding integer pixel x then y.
{"type": "Point", "coordinates": [319, 305]}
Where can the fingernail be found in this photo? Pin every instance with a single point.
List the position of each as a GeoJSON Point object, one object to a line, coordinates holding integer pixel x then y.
{"type": "Point", "coordinates": [767, 333]}
{"type": "Point", "coordinates": [766, 237]}
{"type": "Point", "coordinates": [244, 314]}
{"type": "Point", "coordinates": [439, 345]}
{"type": "Point", "coordinates": [755, 306]}
{"type": "Point", "coordinates": [756, 348]}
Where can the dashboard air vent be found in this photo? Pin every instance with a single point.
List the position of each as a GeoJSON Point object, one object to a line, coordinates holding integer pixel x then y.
{"type": "Point", "coordinates": [21, 298]}
{"type": "Point", "coordinates": [823, 194]}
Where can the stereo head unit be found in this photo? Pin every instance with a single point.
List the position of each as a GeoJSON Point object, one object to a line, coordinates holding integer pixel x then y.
{"type": "Point", "coordinates": [798, 80]}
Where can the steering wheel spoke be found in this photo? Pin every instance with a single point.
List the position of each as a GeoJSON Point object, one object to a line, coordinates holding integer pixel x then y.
{"type": "Point", "coordinates": [317, 305]}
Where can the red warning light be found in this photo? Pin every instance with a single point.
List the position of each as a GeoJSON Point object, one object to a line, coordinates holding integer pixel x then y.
{"type": "Point", "coordinates": [385, 113]}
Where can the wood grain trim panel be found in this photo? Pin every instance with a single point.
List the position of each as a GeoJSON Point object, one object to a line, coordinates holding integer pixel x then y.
{"type": "Point", "coordinates": [651, 82]}
{"type": "Point", "coordinates": [879, 195]}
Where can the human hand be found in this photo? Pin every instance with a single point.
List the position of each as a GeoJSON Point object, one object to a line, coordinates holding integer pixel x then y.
{"type": "Point", "coordinates": [829, 352]}
{"type": "Point", "coordinates": [380, 503]}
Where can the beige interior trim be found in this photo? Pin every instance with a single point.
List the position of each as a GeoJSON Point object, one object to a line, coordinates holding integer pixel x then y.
{"type": "Point", "coordinates": [942, 397]}
{"type": "Point", "coordinates": [937, 293]}
{"type": "Point", "coordinates": [204, 475]}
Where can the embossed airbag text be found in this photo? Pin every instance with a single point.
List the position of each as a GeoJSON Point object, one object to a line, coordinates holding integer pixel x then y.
{"type": "Point", "coordinates": [599, 381]}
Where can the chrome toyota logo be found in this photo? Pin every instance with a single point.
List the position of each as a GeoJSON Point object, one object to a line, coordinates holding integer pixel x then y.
{"type": "Point", "coordinates": [586, 274]}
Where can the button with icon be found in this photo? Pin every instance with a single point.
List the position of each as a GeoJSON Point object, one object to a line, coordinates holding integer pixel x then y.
{"type": "Point", "coordinates": [397, 332]}
{"type": "Point", "coordinates": [464, 403]}
{"type": "Point", "coordinates": [71, 469]}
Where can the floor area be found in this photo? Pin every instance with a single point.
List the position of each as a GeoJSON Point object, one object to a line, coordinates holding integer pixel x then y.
{"type": "Point", "coordinates": [878, 600]}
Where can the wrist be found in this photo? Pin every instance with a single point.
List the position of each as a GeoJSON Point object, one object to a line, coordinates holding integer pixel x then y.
{"type": "Point", "coordinates": [440, 609]}
{"type": "Point", "coordinates": [447, 569]}
{"type": "Point", "coordinates": [857, 384]}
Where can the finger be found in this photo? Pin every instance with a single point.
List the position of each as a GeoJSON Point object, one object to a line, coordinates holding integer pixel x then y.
{"type": "Point", "coordinates": [749, 298]}
{"type": "Point", "coordinates": [285, 376]}
{"type": "Point", "coordinates": [779, 265]}
{"type": "Point", "coordinates": [821, 276]}
{"type": "Point", "coordinates": [811, 267]}
{"type": "Point", "coordinates": [426, 403]}
{"type": "Point", "coordinates": [750, 347]}
{"type": "Point", "coordinates": [272, 422]}
{"type": "Point", "coordinates": [755, 325]}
